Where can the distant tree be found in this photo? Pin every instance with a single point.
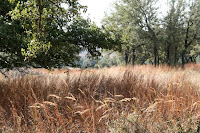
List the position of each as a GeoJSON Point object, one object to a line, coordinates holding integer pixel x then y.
{"type": "Point", "coordinates": [146, 37]}
{"type": "Point", "coordinates": [173, 31]}
{"type": "Point", "coordinates": [111, 59]}
{"type": "Point", "coordinates": [182, 31]}
{"type": "Point", "coordinates": [138, 23]}
{"type": "Point", "coordinates": [87, 63]}
{"type": "Point", "coordinates": [191, 39]}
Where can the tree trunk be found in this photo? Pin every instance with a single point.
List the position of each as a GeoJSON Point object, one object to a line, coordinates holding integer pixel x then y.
{"type": "Point", "coordinates": [175, 56]}
{"type": "Point", "coordinates": [168, 49]}
{"type": "Point", "coordinates": [155, 55]}
{"type": "Point", "coordinates": [126, 57]}
{"type": "Point", "coordinates": [133, 57]}
{"type": "Point", "coordinates": [183, 58]}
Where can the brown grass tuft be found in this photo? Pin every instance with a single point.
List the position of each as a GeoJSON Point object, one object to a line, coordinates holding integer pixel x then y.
{"type": "Point", "coordinates": [117, 99]}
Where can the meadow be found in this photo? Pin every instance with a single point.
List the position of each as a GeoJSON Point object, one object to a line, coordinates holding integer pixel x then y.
{"type": "Point", "coordinates": [140, 99]}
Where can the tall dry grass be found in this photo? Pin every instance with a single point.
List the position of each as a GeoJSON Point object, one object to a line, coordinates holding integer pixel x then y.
{"type": "Point", "coordinates": [117, 99]}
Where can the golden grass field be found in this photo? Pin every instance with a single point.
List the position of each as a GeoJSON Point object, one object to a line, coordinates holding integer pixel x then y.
{"type": "Point", "coordinates": [140, 99]}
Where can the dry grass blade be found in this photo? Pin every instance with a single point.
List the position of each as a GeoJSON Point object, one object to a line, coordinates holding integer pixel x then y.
{"type": "Point", "coordinates": [107, 100]}
{"type": "Point", "coordinates": [82, 112]}
{"type": "Point", "coordinates": [126, 100]}
{"type": "Point", "coordinates": [82, 92]}
{"type": "Point", "coordinates": [53, 96]}
{"type": "Point", "coordinates": [50, 103]}
{"type": "Point", "coordinates": [65, 83]}
{"type": "Point", "coordinates": [79, 107]}
{"type": "Point", "coordinates": [129, 99]}
{"type": "Point", "coordinates": [195, 105]}
{"type": "Point", "coordinates": [159, 99]}
{"type": "Point", "coordinates": [34, 95]}
{"type": "Point", "coordinates": [107, 111]}
{"type": "Point", "coordinates": [151, 108]}
{"type": "Point", "coordinates": [103, 117]}
{"type": "Point", "coordinates": [98, 101]}
{"type": "Point", "coordinates": [119, 96]}
{"type": "Point", "coordinates": [101, 107]}
{"type": "Point", "coordinates": [71, 97]}
{"type": "Point", "coordinates": [170, 101]}
{"type": "Point", "coordinates": [37, 107]}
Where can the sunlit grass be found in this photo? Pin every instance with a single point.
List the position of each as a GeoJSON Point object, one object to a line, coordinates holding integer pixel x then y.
{"type": "Point", "coordinates": [117, 99]}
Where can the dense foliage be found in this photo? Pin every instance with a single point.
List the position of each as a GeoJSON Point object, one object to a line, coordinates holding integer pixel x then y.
{"type": "Point", "coordinates": [150, 37]}
{"type": "Point", "coordinates": [11, 38]}
{"type": "Point", "coordinates": [52, 33]}
{"type": "Point", "coordinates": [48, 34]}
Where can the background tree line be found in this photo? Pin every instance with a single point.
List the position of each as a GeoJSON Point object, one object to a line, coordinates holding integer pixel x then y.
{"type": "Point", "coordinates": [149, 37]}
{"type": "Point", "coordinates": [52, 33]}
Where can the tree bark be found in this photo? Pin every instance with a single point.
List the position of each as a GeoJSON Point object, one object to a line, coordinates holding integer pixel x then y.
{"type": "Point", "coordinates": [168, 54]}
{"type": "Point", "coordinates": [183, 58]}
{"type": "Point", "coordinates": [133, 57]}
{"type": "Point", "coordinates": [126, 57]}
{"type": "Point", "coordinates": [175, 56]}
{"type": "Point", "coordinates": [155, 55]}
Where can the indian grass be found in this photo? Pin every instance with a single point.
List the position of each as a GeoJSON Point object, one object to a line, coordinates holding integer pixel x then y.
{"type": "Point", "coordinates": [116, 99]}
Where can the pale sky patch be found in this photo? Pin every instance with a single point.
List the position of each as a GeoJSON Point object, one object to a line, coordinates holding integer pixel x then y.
{"type": "Point", "coordinates": [97, 9]}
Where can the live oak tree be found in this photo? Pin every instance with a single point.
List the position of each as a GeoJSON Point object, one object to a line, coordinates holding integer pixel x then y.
{"type": "Point", "coordinates": [80, 35]}
{"type": "Point", "coordinates": [38, 17]}
{"type": "Point", "coordinates": [47, 33]}
{"type": "Point", "coordinates": [11, 38]}
{"type": "Point", "coordinates": [29, 27]}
